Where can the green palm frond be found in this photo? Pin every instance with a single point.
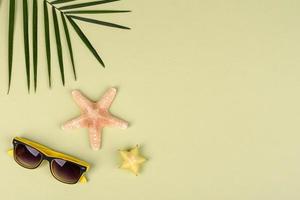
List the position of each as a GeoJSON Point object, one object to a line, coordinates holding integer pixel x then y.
{"type": "Point", "coordinates": [95, 11]}
{"type": "Point", "coordinates": [67, 34]}
{"type": "Point", "coordinates": [99, 22]}
{"type": "Point", "coordinates": [47, 40]}
{"type": "Point", "coordinates": [65, 12]}
{"type": "Point", "coordinates": [58, 45]}
{"type": "Point", "coordinates": [86, 41]}
{"type": "Point", "coordinates": [11, 30]}
{"type": "Point", "coordinates": [26, 41]}
{"type": "Point", "coordinates": [35, 41]}
{"type": "Point", "coordinates": [84, 5]}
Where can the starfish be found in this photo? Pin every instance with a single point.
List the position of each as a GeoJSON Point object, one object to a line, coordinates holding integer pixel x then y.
{"type": "Point", "coordinates": [132, 159]}
{"type": "Point", "coordinates": [95, 116]}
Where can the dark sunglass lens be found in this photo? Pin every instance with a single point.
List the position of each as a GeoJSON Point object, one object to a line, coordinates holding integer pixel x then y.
{"type": "Point", "coordinates": [66, 171]}
{"type": "Point", "coordinates": [27, 156]}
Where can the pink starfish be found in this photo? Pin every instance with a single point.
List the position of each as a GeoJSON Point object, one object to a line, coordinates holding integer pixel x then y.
{"type": "Point", "coordinates": [95, 116]}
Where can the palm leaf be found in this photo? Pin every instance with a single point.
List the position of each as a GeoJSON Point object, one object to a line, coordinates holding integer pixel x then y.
{"type": "Point", "coordinates": [58, 45]}
{"type": "Point", "coordinates": [69, 43]}
{"type": "Point", "coordinates": [95, 11]}
{"type": "Point", "coordinates": [47, 41]}
{"type": "Point", "coordinates": [35, 40]}
{"type": "Point", "coordinates": [67, 15]}
{"type": "Point", "coordinates": [11, 30]}
{"type": "Point", "coordinates": [85, 40]}
{"type": "Point", "coordinates": [82, 5]}
{"type": "Point", "coordinates": [26, 41]}
{"type": "Point", "coordinates": [61, 1]}
{"type": "Point", "coordinates": [98, 22]}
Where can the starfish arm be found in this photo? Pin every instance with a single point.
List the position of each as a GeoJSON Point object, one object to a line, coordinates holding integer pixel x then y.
{"type": "Point", "coordinates": [79, 122]}
{"type": "Point", "coordinates": [124, 155]}
{"type": "Point", "coordinates": [135, 151]}
{"type": "Point", "coordinates": [140, 160]}
{"type": "Point", "coordinates": [95, 137]}
{"type": "Point", "coordinates": [125, 165]}
{"type": "Point", "coordinates": [107, 99]}
{"type": "Point", "coordinates": [84, 103]}
{"type": "Point", "coordinates": [135, 169]}
{"type": "Point", "coordinates": [116, 122]}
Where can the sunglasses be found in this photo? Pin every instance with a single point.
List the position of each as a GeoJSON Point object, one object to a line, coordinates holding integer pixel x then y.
{"type": "Point", "coordinates": [64, 168]}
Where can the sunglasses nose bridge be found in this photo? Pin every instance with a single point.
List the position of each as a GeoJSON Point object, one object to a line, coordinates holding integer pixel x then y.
{"type": "Point", "coordinates": [49, 159]}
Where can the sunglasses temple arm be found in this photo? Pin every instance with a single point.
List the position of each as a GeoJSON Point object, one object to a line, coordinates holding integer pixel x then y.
{"type": "Point", "coordinates": [10, 152]}
{"type": "Point", "coordinates": [83, 179]}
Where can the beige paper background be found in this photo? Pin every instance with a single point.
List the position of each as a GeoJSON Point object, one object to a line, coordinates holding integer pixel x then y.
{"type": "Point", "coordinates": [211, 89]}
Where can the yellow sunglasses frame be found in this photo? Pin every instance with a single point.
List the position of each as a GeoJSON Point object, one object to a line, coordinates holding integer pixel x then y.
{"type": "Point", "coordinates": [53, 154]}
